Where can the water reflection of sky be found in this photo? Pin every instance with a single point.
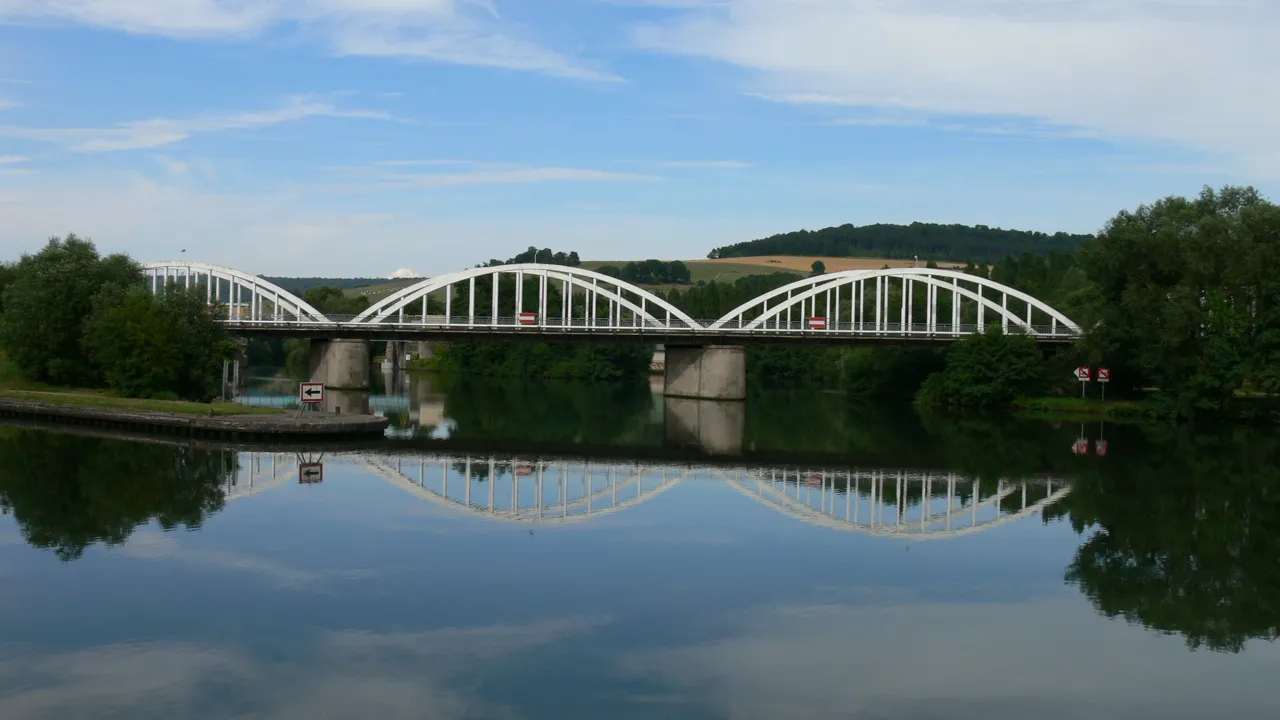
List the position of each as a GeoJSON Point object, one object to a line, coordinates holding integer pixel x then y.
{"type": "Point", "coordinates": [355, 599]}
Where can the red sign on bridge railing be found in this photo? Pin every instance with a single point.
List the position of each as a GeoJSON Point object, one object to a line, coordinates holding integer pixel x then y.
{"type": "Point", "coordinates": [817, 323]}
{"type": "Point", "coordinates": [528, 318]}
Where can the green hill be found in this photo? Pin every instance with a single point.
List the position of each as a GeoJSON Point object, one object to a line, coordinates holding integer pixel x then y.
{"type": "Point", "coordinates": [956, 243]}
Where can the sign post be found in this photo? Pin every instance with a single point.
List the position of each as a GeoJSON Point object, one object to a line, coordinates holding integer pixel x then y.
{"type": "Point", "coordinates": [1083, 374]}
{"type": "Point", "coordinates": [310, 393]}
{"type": "Point", "coordinates": [1104, 377]}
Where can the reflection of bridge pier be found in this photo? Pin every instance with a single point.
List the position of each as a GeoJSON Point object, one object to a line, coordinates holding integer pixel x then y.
{"type": "Point", "coordinates": [707, 372]}
{"type": "Point", "coordinates": [426, 406]}
{"type": "Point", "coordinates": [714, 427]}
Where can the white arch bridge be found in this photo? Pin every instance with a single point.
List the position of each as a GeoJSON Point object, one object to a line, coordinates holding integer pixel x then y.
{"type": "Point", "coordinates": [552, 302]}
{"type": "Point", "coordinates": [890, 503]}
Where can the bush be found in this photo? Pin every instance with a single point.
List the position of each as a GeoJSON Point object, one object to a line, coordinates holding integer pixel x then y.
{"type": "Point", "coordinates": [987, 370]}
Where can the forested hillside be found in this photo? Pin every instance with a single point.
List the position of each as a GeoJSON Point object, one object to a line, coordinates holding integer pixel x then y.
{"type": "Point", "coordinates": [959, 243]}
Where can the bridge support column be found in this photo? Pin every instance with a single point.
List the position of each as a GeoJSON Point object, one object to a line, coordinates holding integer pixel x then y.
{"type": "Point", "coordinates": [708, 372]}
{"type": "Point", "coordinates": [714, 427]}
{"type": "Point", "coordinates": [341, 364]}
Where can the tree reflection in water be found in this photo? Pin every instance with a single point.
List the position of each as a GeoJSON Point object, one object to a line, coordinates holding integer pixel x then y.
{"type": "Point", "coordinates": [1182, 535]}
{"type": "Point", "coordinates": [68, 492]}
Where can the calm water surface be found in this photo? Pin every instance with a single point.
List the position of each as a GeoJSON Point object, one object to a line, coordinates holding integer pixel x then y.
{"type": "Point", "coordinates": [566, 551]}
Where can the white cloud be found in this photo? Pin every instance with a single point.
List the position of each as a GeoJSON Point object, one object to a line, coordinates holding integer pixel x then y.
{"type": "Point", "coordinates": [428, 673]}
{"type": "Point", "coordinates": [890, 658]}
{"type": "Point", "coordinates": [704, 164]}
{"type": "Point", "coordinates": [12, 159]}
{"type": "Point", "coordinates": [1201, 74]}
{"type": "Point", "coordinates": [158, 132]}
{"type": "Point", "coordinates": [454, 31]}
{"type": "Point", "coordinates": [405, 273]}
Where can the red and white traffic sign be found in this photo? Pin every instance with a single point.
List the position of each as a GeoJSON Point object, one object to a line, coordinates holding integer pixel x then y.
{"type": "Point", "coordinates": [1104, 375]}
{"type": "Point", "coordinates": [311, 392]}
{"type": "Point", "coordinates": [1100, 448]}
{"type": "Point", "coordinates": [528, 318]}
{"type": "Point", "coordinates": [817, 323]}
{"type": "Point", "coordinates": [1083, 373]}
{"type": "Point", "coordinates": [311, 473]}
{"type": "Point", "coordinates": [1081, 447]}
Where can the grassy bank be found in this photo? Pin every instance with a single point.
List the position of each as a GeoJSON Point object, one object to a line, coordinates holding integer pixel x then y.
{"type": "Point", "coordinates": [86, 398]}
{"type": "Point", "coordinates": [1089, 408]}
{"type": "Point", "coordinates": [15, 387]}
{"type": "Point", "coordinates": [1248, 408]}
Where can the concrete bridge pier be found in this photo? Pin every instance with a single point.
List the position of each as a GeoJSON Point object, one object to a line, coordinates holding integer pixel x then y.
{"type": "Point", "coordinates": [706, 372]}
{"type": "Point", "coordinates": [341, 364]}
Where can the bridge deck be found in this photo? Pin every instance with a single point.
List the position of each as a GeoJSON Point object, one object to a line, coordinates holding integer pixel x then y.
{"type": "Point", "coordinates": [510, 330]}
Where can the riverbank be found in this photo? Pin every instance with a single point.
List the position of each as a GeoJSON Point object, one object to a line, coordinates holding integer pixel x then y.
{"type": "Point", "coordinates": [221, 421]}
{"type": "Point", "coordinates": [1248, 409]}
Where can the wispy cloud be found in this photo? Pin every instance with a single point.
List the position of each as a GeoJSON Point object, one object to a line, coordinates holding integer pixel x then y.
{"type": "Point", "coordinates": [704, 164]}
{"type": "Point", "coordinates": [466, 32]}
{"type": "Point", "coordinates": [878, 121]}
{"type": "Point", "coordinates": [158, 132]}
{"type": "Point", "coordinates": [397, 173]}
{"type": "Point", "coordinates": [1139, 69]}
{"type": "Point", "coordinates": [12, 159]}
{"type": "Point", "coordinates": [513, 175]}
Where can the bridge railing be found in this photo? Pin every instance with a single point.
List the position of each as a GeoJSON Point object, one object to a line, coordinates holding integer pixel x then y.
{"type": "Point", "coordinates": [629, 325]}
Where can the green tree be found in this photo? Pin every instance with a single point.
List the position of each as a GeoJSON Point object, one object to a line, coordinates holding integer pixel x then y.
{"type": "Point", "coordinates": [7, 275]}
{"type": "Point", "coordinates": [818, 267]}
{"type": "Point", "coordinates": [156, 345]}
{"type": "Point", "coordinates": [1182, 295]}
{"type": "Point", "coordinates": [333, 301]}
{"type": "Point", "coordinates": [47, 302]}
{"type": "Point", "coordinates": [987, 370]}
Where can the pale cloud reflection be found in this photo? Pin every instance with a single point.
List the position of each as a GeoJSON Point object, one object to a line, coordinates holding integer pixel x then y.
{"type": "Point", "coordinates": [1050, 659]}
{"type": "Point", "coordinates": [155, 546]}
{"type": "Point", "coordinates": [348, 674]}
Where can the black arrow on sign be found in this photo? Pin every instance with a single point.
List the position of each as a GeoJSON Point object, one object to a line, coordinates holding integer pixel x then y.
{"type": "Point", "coordinates": [311, 392]}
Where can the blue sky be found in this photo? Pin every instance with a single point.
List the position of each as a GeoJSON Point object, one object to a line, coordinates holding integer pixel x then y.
{"type": "Point", "coordinates": [348, 137]}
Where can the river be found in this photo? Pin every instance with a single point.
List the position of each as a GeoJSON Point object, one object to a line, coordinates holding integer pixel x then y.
{"type": "Point", "coordinates": [562, 550]}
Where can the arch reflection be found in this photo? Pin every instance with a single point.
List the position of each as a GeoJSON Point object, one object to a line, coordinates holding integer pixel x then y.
{"type": "Point", "coordinates": [914, 504]}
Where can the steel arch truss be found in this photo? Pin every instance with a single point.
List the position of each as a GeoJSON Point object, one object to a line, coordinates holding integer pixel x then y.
{"type": "Point", "coordinates": [248, 298]}
{"type": "Point", "coordinates": [594, 300]}
{"type": "Point", "coordinates": [897, 301]}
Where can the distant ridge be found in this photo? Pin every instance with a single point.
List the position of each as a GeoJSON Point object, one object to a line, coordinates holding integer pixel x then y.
{"type": "Point", "coordinates": [299, 286]}
{"type": "Point", "coordinates": [955, 243]}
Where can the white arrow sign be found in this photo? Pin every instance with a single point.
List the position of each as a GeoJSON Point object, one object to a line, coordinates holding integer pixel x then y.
{"type": "Point", "coordinates": [311, 392]}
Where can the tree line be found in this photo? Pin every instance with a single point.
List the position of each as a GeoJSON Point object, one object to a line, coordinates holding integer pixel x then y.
{"type": "Point", "coordinates": [649, 272]}
{"type": "Point", "coordinates": [927, 241]}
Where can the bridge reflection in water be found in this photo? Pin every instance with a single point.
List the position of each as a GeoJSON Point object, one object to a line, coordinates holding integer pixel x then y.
{"type": "Point", "coordinates": [883, 502]}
